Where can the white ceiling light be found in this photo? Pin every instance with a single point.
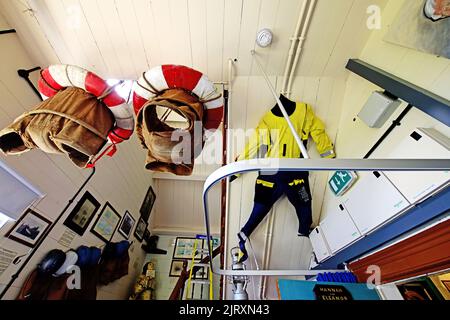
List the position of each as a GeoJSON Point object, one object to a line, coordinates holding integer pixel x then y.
{"type": "Point", "coordinates": [264, 38]}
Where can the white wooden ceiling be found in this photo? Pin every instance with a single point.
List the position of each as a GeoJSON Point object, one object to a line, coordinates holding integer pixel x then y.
{"type": "Point", "coordinates": [123, 38]}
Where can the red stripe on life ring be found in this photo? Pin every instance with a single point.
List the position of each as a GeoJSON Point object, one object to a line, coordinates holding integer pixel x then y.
{"type": "Point", "coordinates": [117, 135]}
{"type": "Point", "coordinates": [138, 102]}
{"type": "Point", "coordinates": [94, 84]}
{"type": "Point", "coordinates": [213, 118]}
{"type": "Point", "coordinates": [48, 77]}
{"type": "Point", "coordinates": [113, 99]}
{"type": "Point", "coordinates": [45, 89]}
{"type": "Point", "coordinates": [97, 86]}
{"type": "Point", "coordinates": [181, 76]}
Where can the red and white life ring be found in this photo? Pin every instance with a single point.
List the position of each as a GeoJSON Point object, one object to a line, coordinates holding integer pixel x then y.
{"type": "Point", "coordinates": [57, 77]}
{"type": "Point", "coordinates": [175, 76]}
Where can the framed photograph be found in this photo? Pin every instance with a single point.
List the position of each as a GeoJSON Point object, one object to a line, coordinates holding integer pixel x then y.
{"type": "Point", "coordinates": [29, 228]}
{"type": "Point", "coordinates": [446, 284]}
{"type": "Point", "coordinates": [140, 229]}
{"type": "Point", "coordinates": [201, 274]}
{"type": "Point", "coordinates": [107, 222]}
{"type": "Point", "coordinates": [184, 248]}
{"type": "Point", "coordinates": [127, 224]}
{"type": "Point", "coordinates": [420, 289]}
{"type": "Point", "coordinates": [147, 204]}
{"type": "Point", "coordinates": [83, 213]}
{"type": "Point", "coordinates": [176, 267]}
{"type": "Point", "coordinates": [147, 234]}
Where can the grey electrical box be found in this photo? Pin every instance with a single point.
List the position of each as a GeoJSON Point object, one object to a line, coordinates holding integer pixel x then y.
{"type": "Point", "coordinates": [378, 109]}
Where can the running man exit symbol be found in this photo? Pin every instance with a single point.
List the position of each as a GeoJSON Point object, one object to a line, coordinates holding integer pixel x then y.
{"type": "Point", "coordinates": [341, 181]}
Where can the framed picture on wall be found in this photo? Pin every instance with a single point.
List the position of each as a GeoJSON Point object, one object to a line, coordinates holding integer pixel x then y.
{"type": "Point", "coordinates": [147, 204]}
{"type": "Point", "coordinates": [29, 228]}
{"type": "Point", "coordinates": [140, 229]}
{"type": "Point", "coordinates": [82, 214]}
{"type": "Point", "coordinates": [184, 248]}
{"type": "Point", "coordinates": [176, 267]}
{"type": "Point", "coordinates": [106, 223]}
{"type": "Point", "coordinates": [126, 225]}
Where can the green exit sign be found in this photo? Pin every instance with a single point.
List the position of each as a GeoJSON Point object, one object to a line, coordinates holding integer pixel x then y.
{"type": "Point", "coordinates": [341, 181]}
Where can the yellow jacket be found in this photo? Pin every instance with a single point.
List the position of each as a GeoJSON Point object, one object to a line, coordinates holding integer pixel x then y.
{"type": "Point", "coordinates": [274, 132]}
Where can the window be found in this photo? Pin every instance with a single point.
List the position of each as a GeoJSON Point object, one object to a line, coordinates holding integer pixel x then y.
{"type": "Point", "coordinates": [16, 194]}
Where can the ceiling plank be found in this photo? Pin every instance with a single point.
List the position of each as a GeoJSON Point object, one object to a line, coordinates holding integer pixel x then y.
{"type": "Point", "coordinates": [102, 39]}
{"type": "Point", "coordinates": [146, 20]}
{"type": "Point", "coordinates": [198, 35]}
{"type": "Point", "coordinates": [232, 28]}
{"type": "Point", "coordinates": [215, 36]}
{"type": "Point", "coordinates": [58, 25]}
{"type": "Point", "coordinates": [180, 43]}
{"type": "Point", "coordinates": [267, 19]}
{"type": "Point", "coordinates": [134, 40]}
{"type": "Point", "coordinates": [327, 23]}
{"type": "Point", "coordinates": [283, 30]}
{"type": "Point", "coordinates": [249, 21]}
{"type": "Point", "coordinates": [109, 15]}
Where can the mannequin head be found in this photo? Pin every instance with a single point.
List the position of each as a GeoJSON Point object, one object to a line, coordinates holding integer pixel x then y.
{"type": "Point", "coordinates": [289, 105]}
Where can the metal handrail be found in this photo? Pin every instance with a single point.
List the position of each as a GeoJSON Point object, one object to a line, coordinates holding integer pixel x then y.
{"type": "Point", "coordinates": [274, 165]}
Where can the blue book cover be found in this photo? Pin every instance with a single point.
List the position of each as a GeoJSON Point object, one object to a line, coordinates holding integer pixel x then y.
{"type": "Point", "coordinates": [304, 290]}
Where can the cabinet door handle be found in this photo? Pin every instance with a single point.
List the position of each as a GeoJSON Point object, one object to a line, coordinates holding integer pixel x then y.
{"type": "Point", "coordinates": [376, 174]}
{"type": "Point", "coordinates": [416, 136]}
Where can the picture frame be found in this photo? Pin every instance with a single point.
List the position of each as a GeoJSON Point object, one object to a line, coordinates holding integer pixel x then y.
{"type": "Point", "coordinates": [139, 231]}
{"type": "Point", "coordinates": [82, 214]}
{"type": "Point", "coordinates": [147, 204]}
{"type": "Point", "coordinates": [446, 284]}
{"type": "Point", "coordinates": [420, 289]}
{"type": "Point", "coordinates": [184, 248]}
{"type": "Point", "coordinates": [176, 267]}
{"type": "Point", "coordinates": [106, 223]}
{"type": "Point", "coordinates": [29, 229]}
{"type": "Point", "coordinates": [201, 274]}
{"type": "Point", "coordinates": [126, 225]}
{"type": "Point", "coordinates": [147, 234]}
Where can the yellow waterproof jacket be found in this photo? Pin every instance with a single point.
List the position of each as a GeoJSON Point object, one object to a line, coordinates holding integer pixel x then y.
{"type": "Point", "coordinates": [274, 132]}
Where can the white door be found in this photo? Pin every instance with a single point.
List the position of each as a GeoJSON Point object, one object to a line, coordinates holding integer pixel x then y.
{"type": "Point", "coordinates": [338, 228]}
{"type": "Point", "coordinates": [319, 245]}
{"type": "Point", "coordinates": [372, 201]}
{"type": "Point", "coordinates": [420, 144]}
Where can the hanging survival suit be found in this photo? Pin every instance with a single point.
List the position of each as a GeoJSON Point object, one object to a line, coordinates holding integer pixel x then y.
{"type": "Point", "coordinates": [170, 149]}
{"type": "Point", "coordinates": [73, 122]}
{"type": "Point", "coordinates": [186, 92]}
{"type": "Point", "coordinates": [81, 114]}
{"type": "Point", "coordinates": [274, 134]}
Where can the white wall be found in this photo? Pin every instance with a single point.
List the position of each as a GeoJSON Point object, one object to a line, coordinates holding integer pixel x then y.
{"type": "Point", "coordinates": [121, 180]}
{"type": "Point", "coordinates": [354, 138]}
{"type": "Point", "coordinates": [425, 70]}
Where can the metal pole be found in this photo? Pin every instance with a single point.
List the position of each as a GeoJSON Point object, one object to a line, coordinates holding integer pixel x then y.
{"type": "Point", "coordinates": [283, 110]}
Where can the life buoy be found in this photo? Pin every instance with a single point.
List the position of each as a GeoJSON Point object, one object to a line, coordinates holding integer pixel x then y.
{"type": "Point", "coordinates": [57, 77]}
{"type": "Point", "coordinates": [164, 77]}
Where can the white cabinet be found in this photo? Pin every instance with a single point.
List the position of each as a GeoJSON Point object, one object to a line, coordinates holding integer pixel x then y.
{"type": "Point", "coordinates": [372, 201]}
{"type": "Point", "coordinates": [420, 144]}
{"type": "Point", "coordinates": [338, 228]}
{"type": "Point", "coordinates": [319, 245]}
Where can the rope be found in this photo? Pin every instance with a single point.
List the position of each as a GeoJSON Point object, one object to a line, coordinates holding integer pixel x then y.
{"type": "Point", "coordinates": [155, 91]}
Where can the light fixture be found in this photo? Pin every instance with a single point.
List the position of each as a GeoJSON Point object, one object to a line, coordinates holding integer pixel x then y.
{"type": "Point", "coordinates": [264, 38]}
